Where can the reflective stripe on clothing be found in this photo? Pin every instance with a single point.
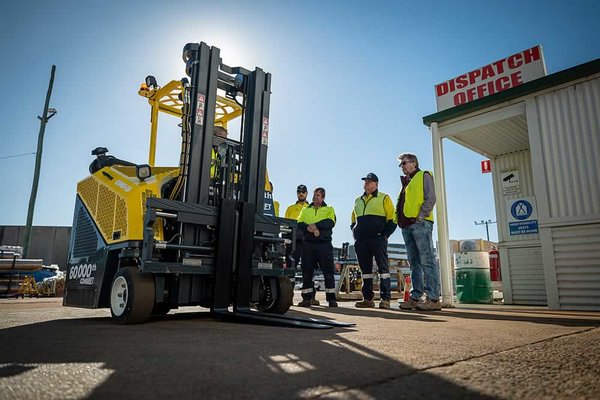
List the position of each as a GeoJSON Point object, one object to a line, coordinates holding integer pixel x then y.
{"type": "Point", "coordinates": [384, 276]}
{"type": "Point", "coordinates": [373, 215]}
{"type": "Point", "coordinates": [367, 276]}
{"type": "Point", "coordinates": [310, 290]}
{"type": "Point", "coordinates": [332, 290]}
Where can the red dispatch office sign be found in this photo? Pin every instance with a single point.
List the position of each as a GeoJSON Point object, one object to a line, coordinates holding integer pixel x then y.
{"type": "Point", "coordinates": [486, 166]}
{"type": "Point", "coordinates": [503, 74]}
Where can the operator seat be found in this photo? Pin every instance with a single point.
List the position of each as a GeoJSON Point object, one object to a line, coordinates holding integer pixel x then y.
{"type": "Point", "coordinates": [102, 160]}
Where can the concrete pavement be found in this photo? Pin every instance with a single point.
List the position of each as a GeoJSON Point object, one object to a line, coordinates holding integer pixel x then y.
{"type": "Point", "coordinates": [478, 352]}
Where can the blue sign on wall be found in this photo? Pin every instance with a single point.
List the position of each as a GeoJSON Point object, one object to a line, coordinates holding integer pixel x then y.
{"type": "Point", "coordinates": [522, 218]}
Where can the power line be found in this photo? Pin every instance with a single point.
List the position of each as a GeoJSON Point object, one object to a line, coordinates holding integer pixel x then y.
{"type": "Point", "coordinates": [16, 155]}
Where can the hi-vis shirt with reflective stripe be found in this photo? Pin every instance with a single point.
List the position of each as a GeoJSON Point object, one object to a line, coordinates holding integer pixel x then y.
{"type": "Point", "coordinates": [378, 203]}
{"type": "Point", "coordinates": [373, 215]}
{"type": "Point", "coordinates": [323, 217]}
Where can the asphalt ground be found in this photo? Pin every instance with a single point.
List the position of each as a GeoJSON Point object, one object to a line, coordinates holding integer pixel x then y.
{"type": "Point", "coordinates": [468, 352]}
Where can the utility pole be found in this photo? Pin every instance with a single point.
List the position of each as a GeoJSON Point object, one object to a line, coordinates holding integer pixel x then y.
{"type": "Point", "coordinates": [486, 223]}
{"type": "Point", "coordinates": [48, 113]}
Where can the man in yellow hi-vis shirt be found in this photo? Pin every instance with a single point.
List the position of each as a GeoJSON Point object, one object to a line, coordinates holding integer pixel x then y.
{"type": "Point", "coordinates": [373, 222]}
{"type": "Point", "coordinates": [292, 212]}
{"type": "Point", "coordinates": [316, 222]}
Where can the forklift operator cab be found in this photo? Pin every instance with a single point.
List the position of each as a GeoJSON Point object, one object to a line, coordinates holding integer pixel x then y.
{"type": "Point", "coordinates": [148, 239]}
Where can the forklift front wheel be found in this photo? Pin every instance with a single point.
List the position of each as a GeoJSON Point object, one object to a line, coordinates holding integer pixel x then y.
{"type": "Point", "coordinates": [280, 302]}
{"type": "Point", "coordinates": [131, 296]}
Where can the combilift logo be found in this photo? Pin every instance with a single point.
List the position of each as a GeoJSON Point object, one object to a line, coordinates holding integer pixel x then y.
{"type": "Point", "coordinates": [496, 77]}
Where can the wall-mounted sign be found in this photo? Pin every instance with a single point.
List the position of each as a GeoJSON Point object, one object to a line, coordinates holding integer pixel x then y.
{"type": "Point", "coordinates": [510, 182]}
{"type": "Point", "coordinates": [486, 166]}
{"type": "Point", "coordinates": [522, 216]}
{"type": "Point", "coordinates": [503, 74]}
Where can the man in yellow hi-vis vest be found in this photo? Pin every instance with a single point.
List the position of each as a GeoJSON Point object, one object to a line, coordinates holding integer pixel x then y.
{"type": "Point", "coordinates": [414, 212]}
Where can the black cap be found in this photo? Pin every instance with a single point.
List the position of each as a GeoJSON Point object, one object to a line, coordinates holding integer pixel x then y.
{"type": "Point", "coordinates": [371, 176]}
{"type": "Point", "coordinates": [301, 188]}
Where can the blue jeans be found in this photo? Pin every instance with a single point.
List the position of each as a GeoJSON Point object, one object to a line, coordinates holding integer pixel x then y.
{"type": "Point", "coordinates": [425, 274]}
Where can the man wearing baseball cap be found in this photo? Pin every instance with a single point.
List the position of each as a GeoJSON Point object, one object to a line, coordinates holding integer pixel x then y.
{"type": "Point", "coordinates": [372, 224]}
{"type": "Point", "coordinates": [292, 212]}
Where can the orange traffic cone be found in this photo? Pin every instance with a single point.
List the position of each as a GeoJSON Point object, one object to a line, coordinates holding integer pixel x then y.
{"type": "Point", "coordinates": [407, 287]}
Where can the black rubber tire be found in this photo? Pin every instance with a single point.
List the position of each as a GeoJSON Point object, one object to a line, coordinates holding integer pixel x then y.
{"type": "Point", "coordinates": [139, 295]}
{"type": "Point", "coordinates": [282, 300]}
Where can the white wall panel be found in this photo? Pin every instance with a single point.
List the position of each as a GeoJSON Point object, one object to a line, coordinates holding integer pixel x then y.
{"type": "Point", "coordinates": [527, 275]}
{"type": "Point", "coordinates": [577, 261]}
{"type": "Point", "coordinates": [569, 123]}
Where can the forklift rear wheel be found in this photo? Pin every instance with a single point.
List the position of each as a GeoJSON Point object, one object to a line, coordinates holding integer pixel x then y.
{"type": "Point", "coordinates": [131, 296]}
{"type": "Point", "coordinates": [280, 302]}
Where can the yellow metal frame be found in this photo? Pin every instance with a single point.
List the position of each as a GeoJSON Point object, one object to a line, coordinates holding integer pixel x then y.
{"type": "Point", "coordinates": [167, 99]}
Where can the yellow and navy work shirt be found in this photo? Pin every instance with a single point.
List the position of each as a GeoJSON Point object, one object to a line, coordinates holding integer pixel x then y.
{"type": "Point", "coordinates": [323, 217]}
{"type": "Point", "coordinates": [293, 211]}
{"type": "Point", "coordinates": [373, 215]}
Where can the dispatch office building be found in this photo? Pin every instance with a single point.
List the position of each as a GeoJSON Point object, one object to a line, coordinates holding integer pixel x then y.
{"type": "Point", "coordinates": [543, 140]}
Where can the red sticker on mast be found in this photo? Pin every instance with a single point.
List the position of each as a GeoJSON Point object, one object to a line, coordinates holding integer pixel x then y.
{"type": "Point", "coordinates": [265, 131]}
{"type": "Point", "coordinates": [200, 109]}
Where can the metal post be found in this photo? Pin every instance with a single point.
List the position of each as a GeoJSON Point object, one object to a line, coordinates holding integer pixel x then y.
{"type": "Point", "coordinates": [442, 218]}
{"type": "Point", "coordinates": [38, 161]}
{"type": "Point", "coordinates": [487, 224]}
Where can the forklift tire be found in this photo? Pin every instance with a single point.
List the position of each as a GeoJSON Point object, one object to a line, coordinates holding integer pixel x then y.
{"type": "Point", "coordinates": [282, 301]}
{"type": "Point", "coordinates": [131, 296]}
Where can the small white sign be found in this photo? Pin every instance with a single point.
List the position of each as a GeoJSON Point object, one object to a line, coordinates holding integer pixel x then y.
{"type": "Point", "coordinates": [510, 182]}
{"type": "Point", "coordinates": [522, 216]}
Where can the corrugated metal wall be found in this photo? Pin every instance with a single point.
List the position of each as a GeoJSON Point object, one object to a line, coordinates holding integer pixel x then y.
{"type": "Point", "coordinates": [520, 161]}
{"type": "Point", "coordinates": [527, 275]}
{"type": "Point", "coordinates": [570, 143]}
{"type": "Point", "coordinates": [525, 283]}
{"type": "Point", "coordinates": [576, 256]}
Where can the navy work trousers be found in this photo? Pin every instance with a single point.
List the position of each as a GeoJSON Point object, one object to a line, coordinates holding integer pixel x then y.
{"type": "Point", "coordinates": [366, 249]}
{"type": "Point", "coordinates": [317, 254]}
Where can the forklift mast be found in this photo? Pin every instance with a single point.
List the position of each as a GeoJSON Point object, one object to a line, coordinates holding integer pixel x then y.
{"type": "Point", "coordinates": [214, 217]}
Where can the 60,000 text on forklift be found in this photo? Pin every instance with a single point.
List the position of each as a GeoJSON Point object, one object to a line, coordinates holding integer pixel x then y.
{"type": "Point", "coordinates": [148, 239]}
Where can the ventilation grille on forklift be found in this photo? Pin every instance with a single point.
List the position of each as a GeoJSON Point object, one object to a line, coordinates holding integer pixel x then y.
{"type": "Point", "coordinates": [109, 209]}
{"type": "Point", "coordinates": [86, 240]}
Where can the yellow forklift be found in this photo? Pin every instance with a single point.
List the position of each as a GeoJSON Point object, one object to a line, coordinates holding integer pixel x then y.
{"type": "Point", "coordinates": [148, 239]}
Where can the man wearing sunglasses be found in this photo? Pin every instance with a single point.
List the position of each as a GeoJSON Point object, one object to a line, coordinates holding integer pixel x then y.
{"type": "Point", "coordinates": [414, 214]}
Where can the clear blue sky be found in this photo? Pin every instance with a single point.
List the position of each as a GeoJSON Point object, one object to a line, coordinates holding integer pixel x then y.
{"type": "Point", "coordinates": [351, 83]}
